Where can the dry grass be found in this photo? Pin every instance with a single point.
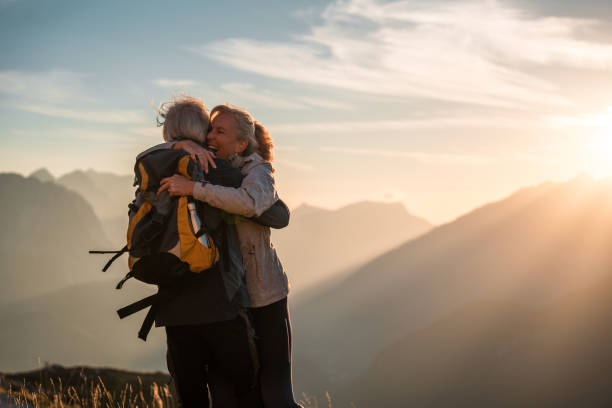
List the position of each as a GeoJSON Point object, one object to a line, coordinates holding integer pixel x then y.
{"type": "Point", "coordinates": [91, 393]}
{"type": "Point", "coordinates": [52, 393]}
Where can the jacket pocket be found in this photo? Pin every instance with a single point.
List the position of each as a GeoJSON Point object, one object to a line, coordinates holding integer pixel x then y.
{"type": "Point", "coordinates": [251, 263]}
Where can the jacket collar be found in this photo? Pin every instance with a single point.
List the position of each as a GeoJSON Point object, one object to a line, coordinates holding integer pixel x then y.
{"type": "Point", "coordinates": [245, 163]}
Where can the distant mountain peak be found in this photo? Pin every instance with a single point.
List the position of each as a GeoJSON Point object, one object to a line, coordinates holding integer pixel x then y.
{"type": "Point", "coordinates": [42, 174]}
{"type": "Point", "coordinates": [306, 210]}
{"type": "Point", "coordinates": [368, 205]}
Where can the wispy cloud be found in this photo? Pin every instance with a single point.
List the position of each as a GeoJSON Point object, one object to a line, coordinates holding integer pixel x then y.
{"type": "Point", "coordinates": [237, 93]}
{"type": "Point", "coordinates": [176, 83]}
{"type": "Point", "coordinates": [586, 120]}
{"type": "Point", "coordinates": [324, 103]}
{"type": "Point", "coordinates": [250, 94]}
{"type": "Point", "coordinates": [152, 132]}
{"type": "Point", "coordinates": [49, 86]}
{"type": "Point", "coordinates": [466, 51]}
{"type": "Point", "coordinates": [97, 116]}
{"type": "Point", "coordinates": [286, 148]}
{"type": "Point", "coordinates": [61, 94]}
{"type": "Point", "coordinates": [241, 93]}
{"type": "Point", "coordinates": [422, 157]}
{"type": "Point", "coordinates": [69, 135]}
{"type": "Point", "coordinates": [403, 125]}
{"type": "Point", "coordinates": [296, 165]}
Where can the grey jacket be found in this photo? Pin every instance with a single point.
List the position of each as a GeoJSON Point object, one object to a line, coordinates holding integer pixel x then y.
{"type": "Point", "coordinates": [266, 280]}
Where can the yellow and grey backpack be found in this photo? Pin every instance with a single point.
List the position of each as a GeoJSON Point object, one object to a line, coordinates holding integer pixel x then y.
{"type": "Point", "coordinates": [167, 240]}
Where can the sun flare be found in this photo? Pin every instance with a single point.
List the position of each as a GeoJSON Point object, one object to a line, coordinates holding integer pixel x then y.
{"type": "Point", "coordinates": [599, 154]}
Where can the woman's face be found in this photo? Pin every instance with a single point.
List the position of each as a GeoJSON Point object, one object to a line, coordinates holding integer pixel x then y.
{"type": "Point", "coordinates": [223, 136]}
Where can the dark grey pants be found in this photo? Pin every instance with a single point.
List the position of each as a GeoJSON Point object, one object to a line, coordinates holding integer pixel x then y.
{"type": "Point", "coordinates": [219, 349]}
{"type": "Point", "coordinates": [273, 338]}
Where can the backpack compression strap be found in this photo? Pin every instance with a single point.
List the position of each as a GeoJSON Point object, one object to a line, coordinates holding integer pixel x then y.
{"type": "Point", "coordinates": [147, 324]}
{"type": "Point", "coordinates": [137, 306]}
{"type": "Point", "coordinates": [113, 259]}
{"type": "Point", "coordinates": [154, 301]}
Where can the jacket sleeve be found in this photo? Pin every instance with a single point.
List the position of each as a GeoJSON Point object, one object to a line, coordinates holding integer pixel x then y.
{"type": "Point", "coordinates": [276, 216]}
{"type": "Point", "coordinates": [256, 194]}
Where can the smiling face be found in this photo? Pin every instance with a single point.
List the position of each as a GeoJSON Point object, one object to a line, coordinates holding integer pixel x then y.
{"type": "Point", "coordinates": [223, 136]}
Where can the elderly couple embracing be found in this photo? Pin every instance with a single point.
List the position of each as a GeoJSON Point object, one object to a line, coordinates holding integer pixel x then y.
{"type": "Point", "coordinates": [229, 334]}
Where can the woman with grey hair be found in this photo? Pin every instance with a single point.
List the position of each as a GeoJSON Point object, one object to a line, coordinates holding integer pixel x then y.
{"type": "Point", "coordinates": [247, 145]}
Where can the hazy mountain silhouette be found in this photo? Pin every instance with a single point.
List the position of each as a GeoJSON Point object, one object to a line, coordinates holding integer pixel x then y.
{"type": "Point", "coordinates": [328, 233]}
{"type": "Point", "coordinates": [532, 247]}
{"type": "Point", "coordinates": [46, 232]}
{"type": "Point", "coordinates": [500, 354]}
{"type": "Point", "coordinates": [42, 174]}
{"type": "Point", "coordinates": [108, 193]}
{"type": "Point", "coordinates": [320, 243]}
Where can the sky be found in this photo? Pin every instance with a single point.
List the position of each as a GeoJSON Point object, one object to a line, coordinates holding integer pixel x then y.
{"type": "Point", "coordinates": [442, 105]}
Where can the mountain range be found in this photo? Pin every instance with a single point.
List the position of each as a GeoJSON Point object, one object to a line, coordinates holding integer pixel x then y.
{"type": "Point", "coordinates": [531, 248]}
{"type": "Point", "coordinates": [319, 244]}
{"type": "Point", "coordinates": [62, 294]}
{"type": "Point", "coordinates": [502, 354]}
{"type": "Point", "coordinates": [328, 234]}
{"type": "Point", "coordinates": [46, 233]}
{"type": "Point", "coordinates": [107, 193]}
{"type": "Point", "coordinates": [507, 305]}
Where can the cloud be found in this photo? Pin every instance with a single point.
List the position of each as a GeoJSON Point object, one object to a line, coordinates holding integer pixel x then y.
{"type": "Point", "coordinates": [48, 86]}
{"type": "Point", "coordinates": [587, 120]}
{"type": "Point", "coordinates": [176, 83]}
{"type": "Point", "coordinates": [75, 137]}
{"type": "Point", "coordinates": [98, 116]}
{"type": "Point", "coordinates": [56, 93]}
{"type": "Point", "coordinates": [429, 123]}
{"type": "Point", "coordinates": [149, 131]}
{"type": "Point", "coordinates": [324, 103]}
{"type": "Point", "coordinates": [286, 148]}
{"type": "Point", "coordinates": [296, 165]}
{"type": "Point", "coordinates": [425, 158]}
{"type": "Point", "coordinates": [249, 93]}
{"type": "Point", "coordinates": [468, 51]}
{"type": "Point", "coordinates": [237, 93]}
{"type": "Point", "coordinates": [241, 93]}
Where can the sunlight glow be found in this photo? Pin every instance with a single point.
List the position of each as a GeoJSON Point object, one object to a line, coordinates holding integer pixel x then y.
{"type": "Point", "coordinates": [601, 147]}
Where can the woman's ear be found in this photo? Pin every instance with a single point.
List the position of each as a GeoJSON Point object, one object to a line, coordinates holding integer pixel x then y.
{"type": "Point", "coordinates": [241, 146]}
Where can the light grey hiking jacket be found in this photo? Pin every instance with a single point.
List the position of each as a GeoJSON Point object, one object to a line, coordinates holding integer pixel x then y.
{"type": "Point", "coordinates": [265, 277]}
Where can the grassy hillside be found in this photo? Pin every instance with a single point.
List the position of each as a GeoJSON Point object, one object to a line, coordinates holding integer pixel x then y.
{"type": "Point", "coordinates": [82, 386]}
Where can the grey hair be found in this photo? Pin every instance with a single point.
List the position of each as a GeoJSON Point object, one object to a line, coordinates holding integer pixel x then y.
{"type": "Point", "coordinates": [245, 122]}
{"type": "Point", "coordinates": [184, 117]}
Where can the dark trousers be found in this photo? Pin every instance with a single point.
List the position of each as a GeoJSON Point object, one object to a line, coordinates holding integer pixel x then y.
{"type": "Point", "coordinates": [223, 348]}
{"type": "Point", "coordinates": [273, 338]}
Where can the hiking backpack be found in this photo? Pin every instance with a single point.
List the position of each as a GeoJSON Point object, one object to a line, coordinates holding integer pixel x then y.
{"type": "Point", "coordinates": [167, 241]}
